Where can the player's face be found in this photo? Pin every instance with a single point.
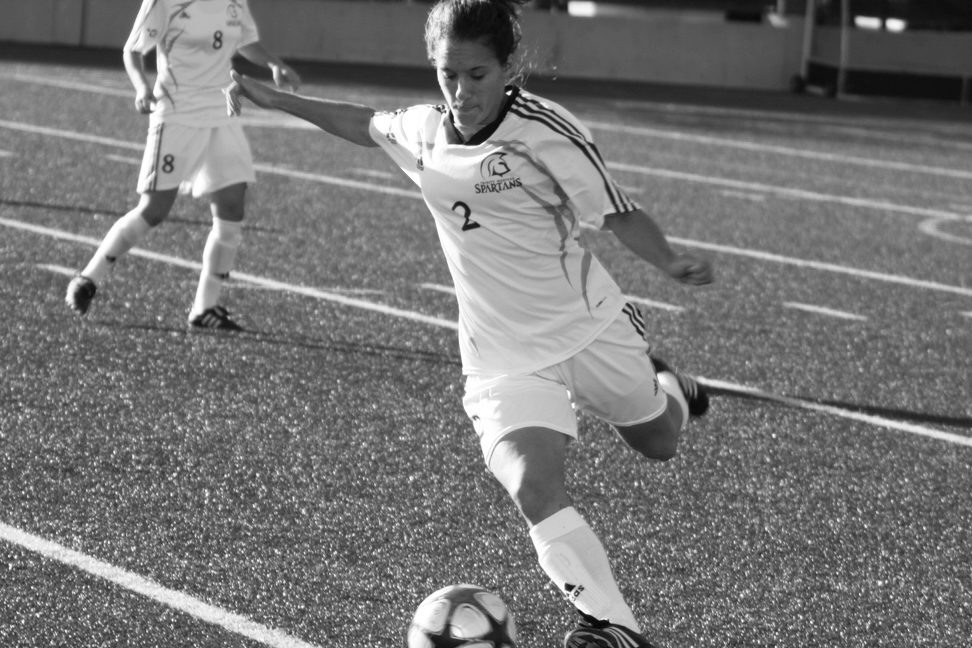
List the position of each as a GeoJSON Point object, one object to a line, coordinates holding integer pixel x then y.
{"type": "Point", "coordinates": [473, 82]}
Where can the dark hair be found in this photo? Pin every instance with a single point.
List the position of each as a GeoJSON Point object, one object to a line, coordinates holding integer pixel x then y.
{"type": "Point", "coordinates": [495, 22]}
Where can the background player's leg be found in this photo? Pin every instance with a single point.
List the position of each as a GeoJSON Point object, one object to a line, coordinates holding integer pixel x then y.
{"type": "Point", "coordinates": [152, 209]}
{"type": "Point", "coordinates": [219, 255]}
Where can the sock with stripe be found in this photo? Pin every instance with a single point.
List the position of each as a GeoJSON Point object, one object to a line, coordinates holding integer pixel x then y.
{"type": "Point", "coordinates": [219, 258]}
{"type": "Point", "coordinates": [122, 237]}
{"type": "Point", "coordinates": [574, 559]}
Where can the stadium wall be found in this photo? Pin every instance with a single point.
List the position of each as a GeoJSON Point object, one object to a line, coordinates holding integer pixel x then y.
{"type": "Point", "coordinates": [666, 47]}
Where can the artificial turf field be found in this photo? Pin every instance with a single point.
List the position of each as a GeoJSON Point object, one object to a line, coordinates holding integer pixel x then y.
{"type": "Point", "coordinates": [306, 483]}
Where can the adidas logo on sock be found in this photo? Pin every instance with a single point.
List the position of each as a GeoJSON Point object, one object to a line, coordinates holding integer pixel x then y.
{"type": "Point", "coordinates": [573, 592]}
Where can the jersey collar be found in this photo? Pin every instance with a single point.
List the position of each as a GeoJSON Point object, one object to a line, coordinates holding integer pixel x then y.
{"type": "Point", "coordinates": [453, 136]}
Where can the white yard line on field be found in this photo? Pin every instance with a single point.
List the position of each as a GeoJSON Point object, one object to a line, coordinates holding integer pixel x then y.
{"type": "Point", "coordinates": [820, 310]}
{"type": "Point", "coordinates": [879, 421]}
{"type": "Point", "coordinates": [435, 321]}
{"type": "Point", "coordinates": [781, 150]}
{"type": "Point", "coordinates": [800, 194]}
{"type": "Point", "coordinates": [132, 582]}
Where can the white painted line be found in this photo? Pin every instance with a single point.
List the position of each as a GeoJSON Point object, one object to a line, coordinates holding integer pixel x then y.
{"type": "Point", "coordinates": [176, 600]}
{"type": "Point", "coordinates": [69, 272]}
{"type": "Point", "coordinates": [930, 227]}
{"type": "Point", "coordinates": [334, 180]}
{"type": "Point", "coordinates": [828, 267]}
{"type": "Point", "coordinates": [6, 154]}
{"type": "Point", "coordinates": [781, 150]}
{"type": "Point", "coordinates": [966, 314]}
{"type": "Point", "coordinates": [439, 288]}
{"type": "Point", "coordinates": [878, 421]}
{"type": "Point", "coordinates": [126, 160]}
{"type": "Point", "coordinates": [81, 137]}
{"type": "Point", "coordinates": [242, 276]}
{"type": "Point", "coordinates": [74, 85]}
{"type": "Point", "coordinates": [372, 173]}
{"type": "Point", "coordinates": [820, 310]}
{"type": "Point", "coordinates": [654, 304]}
{"type": "Point", "coordinates": [745, 195]}
{"type": "Point", "coordinates": [801, 194]}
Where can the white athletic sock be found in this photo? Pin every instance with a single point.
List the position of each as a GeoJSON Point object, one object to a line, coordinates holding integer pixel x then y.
{"type": "Point", "coordinates": [122, 237]}
{"type": "Point", "coordinates": [576, 562]}
{"type": "Point", "coordinates": [669, 384]}
{"type": "Point", "coordinates": [219, 258]}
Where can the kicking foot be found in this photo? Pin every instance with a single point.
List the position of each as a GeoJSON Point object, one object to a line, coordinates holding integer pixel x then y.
{"type": "Point", "coordinates": [80, 292]}
{"type": "Point", "coordinates": [695, 394]}
{"type": "Point", "coordinates": [591, 633]}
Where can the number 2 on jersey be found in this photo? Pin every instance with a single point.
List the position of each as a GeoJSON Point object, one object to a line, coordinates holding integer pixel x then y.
{"type": "Point", "coordinates": [463, 210]}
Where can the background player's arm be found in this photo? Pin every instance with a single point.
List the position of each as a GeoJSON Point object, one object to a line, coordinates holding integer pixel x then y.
{"type": "Point", "coordinates": [642, 235]}
{"type": "Point", "coordinates": [346, 120]}
{"type": "Point", "coordinates": [135, 67]}
{"type": "Point", "coordinates": [283, 74]}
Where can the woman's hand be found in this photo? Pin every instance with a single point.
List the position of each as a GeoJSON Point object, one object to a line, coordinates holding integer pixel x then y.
{"type": "Point", "coordinates": [244, 86]}
{"type": "Point", "coordinates": [690, 269]}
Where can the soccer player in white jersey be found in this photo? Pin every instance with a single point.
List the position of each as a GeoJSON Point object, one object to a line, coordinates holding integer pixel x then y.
{"type": "Point", "coordinates": [543, 329]}
{"type": "Point", "coordinates": [192, 144]}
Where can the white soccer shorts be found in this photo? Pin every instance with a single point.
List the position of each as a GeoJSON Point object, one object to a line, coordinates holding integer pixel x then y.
{"type": "Point", "coordinates": [612, 378]}
{"type": "Point", "coordinates": [196, 160]}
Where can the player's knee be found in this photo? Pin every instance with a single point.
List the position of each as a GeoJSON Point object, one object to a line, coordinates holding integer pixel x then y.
{"type": "Point", "coordinates": [655, 440]}
{"type": "Point", "coordinates": [536, 499]}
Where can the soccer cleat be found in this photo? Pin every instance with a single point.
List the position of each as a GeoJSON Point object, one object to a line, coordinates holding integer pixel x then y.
{"type": "Point", "coordinates": [214, 318]}
{"type": "Point", "coordinates": [80, 292]}
{"type": "Point", "coordinates": [591, 633]}
{"type": "Point", "coordinates": [695, 394]}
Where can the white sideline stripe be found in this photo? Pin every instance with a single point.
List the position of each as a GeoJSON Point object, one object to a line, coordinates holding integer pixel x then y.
{"type": "Point", "coordinates": [802, 194]}
{"type": "Point", "coordinates": [878, 421]}
{"type": "Point", "coordinates": [765, 256]}
{"type": "Point", "coordinates": [242, 276]}
{"type": "Point", "coordinates": [781, 150]}
{"type": "Point", "coordinates": [439, 288]}
{"type": "Point", "coordinates": [6, 154]}
{"type": "Point", "coordinates": [820, 310]}
{"type": "Point", "coordinates": [57, 269]}
{"type": "Point", "coordinates": [192, 606]}
{"type": "Point", "coordinates": [829, 267]}
{"type": "Point", "coordinates": [654, 304]}
{"type": "Point", "coordinates": [745, 195]}
{"type": "Point", "coordinates": [914, 429]}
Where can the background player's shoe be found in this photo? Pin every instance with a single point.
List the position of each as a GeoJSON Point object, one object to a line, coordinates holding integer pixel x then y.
{"type": "Point", "coordinates": [695, 394]}
{"type": "Point", "coordinates": [591, 633]}
{"type": "Point", "coordinates": [214, 318]}
{"type": "Point", "coordinates": [80, 292]}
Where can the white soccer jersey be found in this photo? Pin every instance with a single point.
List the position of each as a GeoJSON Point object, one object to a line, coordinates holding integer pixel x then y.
{"type": "Point", "coordinates": [508, 206]}
{"type": "Point", "coordinates": [195, 41]}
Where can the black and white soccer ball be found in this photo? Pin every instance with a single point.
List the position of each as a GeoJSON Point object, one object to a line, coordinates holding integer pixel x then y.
{"type": "Point", "coordinates": [462, 615]}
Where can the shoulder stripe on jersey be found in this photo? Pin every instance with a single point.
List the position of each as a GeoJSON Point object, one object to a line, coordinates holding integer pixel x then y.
{"type": "Point", "coordinates": [535, 111]}
{"type": "Point", "coordinates": [636, 318]}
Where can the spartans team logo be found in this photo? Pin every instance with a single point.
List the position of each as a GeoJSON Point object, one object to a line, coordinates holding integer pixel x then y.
{"type": "Point", "coordinates": [495, 171]}
{"type": "Point", "coordinates": [233, 16]}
